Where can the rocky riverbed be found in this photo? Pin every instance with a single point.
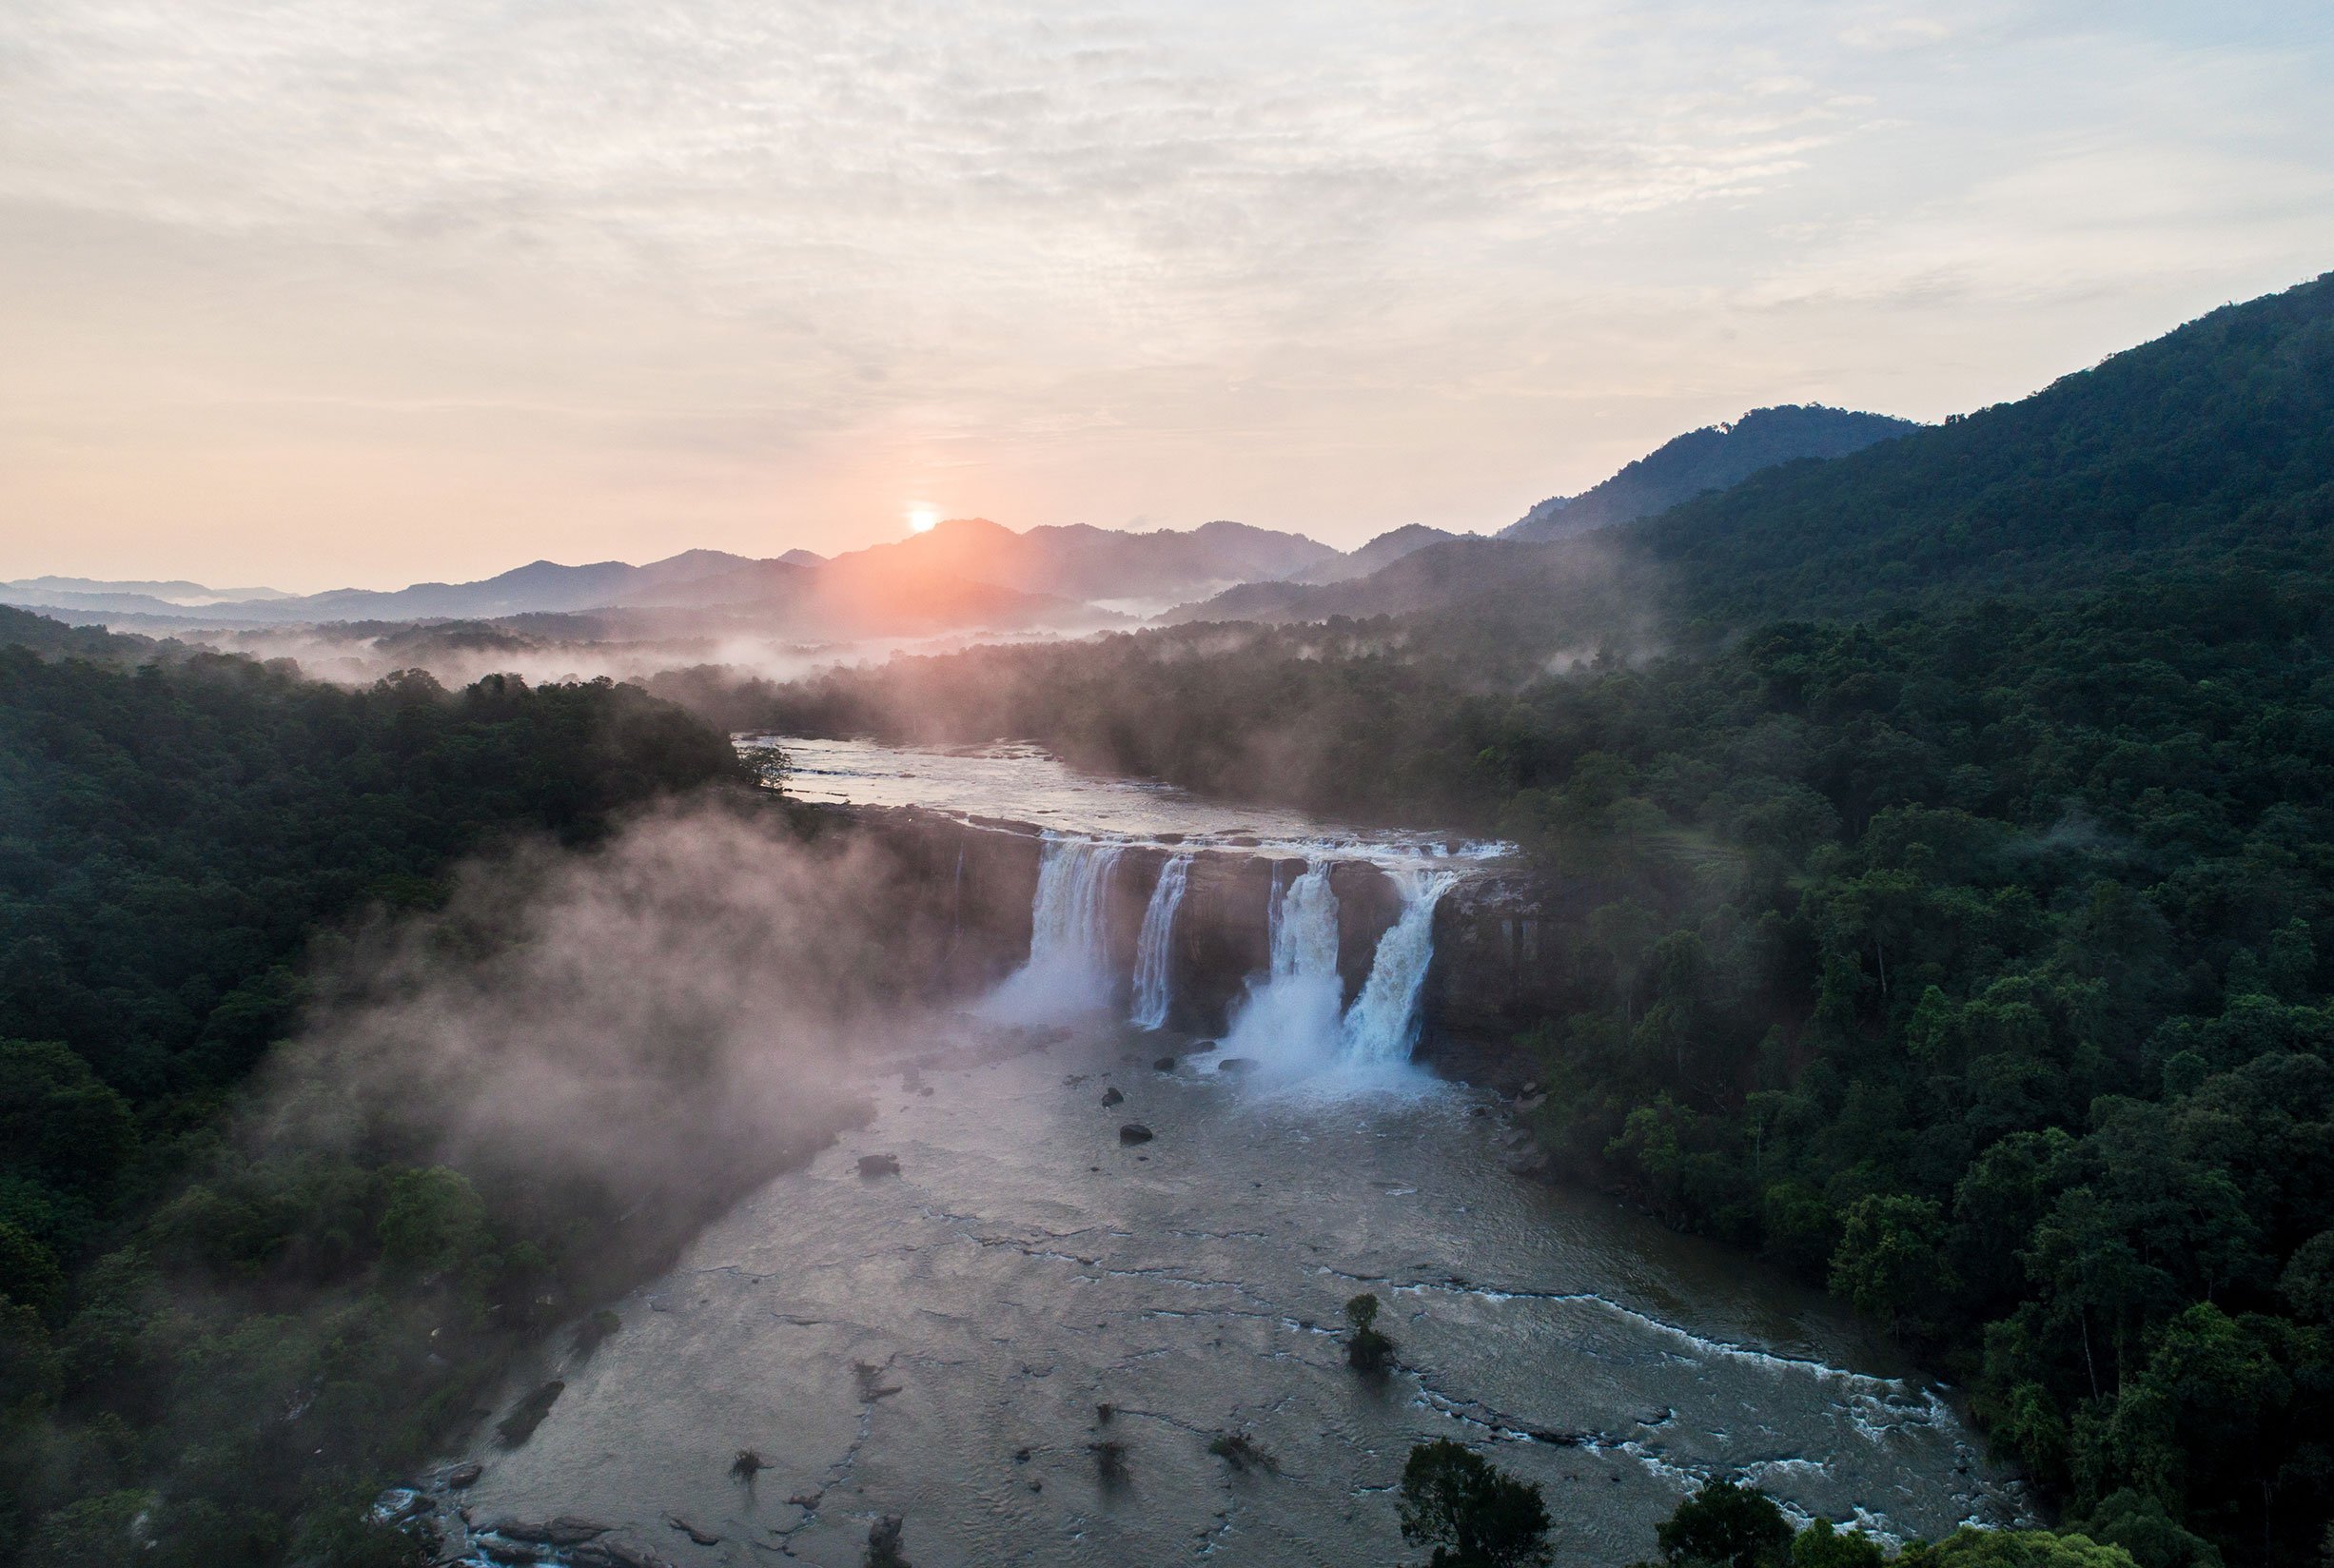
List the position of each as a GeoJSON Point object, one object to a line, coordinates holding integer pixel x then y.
{"type": "Point", "coordinates": [1037, 1341]}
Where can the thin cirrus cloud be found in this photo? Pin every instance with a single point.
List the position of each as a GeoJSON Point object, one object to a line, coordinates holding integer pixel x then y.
{"type": "Point", "coordinates": [365, 292]}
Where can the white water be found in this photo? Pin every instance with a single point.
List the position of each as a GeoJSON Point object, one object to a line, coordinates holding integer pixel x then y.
{"type": "Point", "coordinates": [1381, 1028]}
{"type": "Point", "coordinates": [1069, 974]}
{"type": "Point", "coordinates": [1154, 973]}
{"type": "Point", "coordinates": [1289, 1022]}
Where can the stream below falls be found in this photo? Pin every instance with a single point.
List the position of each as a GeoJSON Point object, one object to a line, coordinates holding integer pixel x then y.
{"type": "Point", "coordinates": [1023, 1339]}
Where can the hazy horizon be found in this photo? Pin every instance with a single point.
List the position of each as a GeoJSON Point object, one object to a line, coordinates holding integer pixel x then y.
{"type": "Point", "coordinates": [364, 296]}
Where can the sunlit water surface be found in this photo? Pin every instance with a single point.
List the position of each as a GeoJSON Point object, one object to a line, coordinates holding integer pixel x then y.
{"type": "Point", "coordinates": [1024, 783]}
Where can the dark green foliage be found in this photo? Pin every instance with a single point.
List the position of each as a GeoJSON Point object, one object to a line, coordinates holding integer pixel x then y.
{"type": "Point", "coordinates": [1821, 1545]}
{"type": "Point", "coordinates": [1728, 1525]}
{"type": "Point", "coordinates": [2210, 447]}
{"type": "Point", "coordinates": [172, 838]}
{"type": "Point", "coordinates": [1973, 1548]}
{"type": "Point", "coordinates": [1367, 1348]}
{"type": "Point", "coordinates": [1473, 1514]}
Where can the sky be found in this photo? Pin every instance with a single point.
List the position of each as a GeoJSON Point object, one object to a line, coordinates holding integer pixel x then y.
{"type": "Point", "coordinates": [363, 292]}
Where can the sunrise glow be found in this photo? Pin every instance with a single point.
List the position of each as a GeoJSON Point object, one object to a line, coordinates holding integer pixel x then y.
{"type": "Point", "coordinates": [922, 520]}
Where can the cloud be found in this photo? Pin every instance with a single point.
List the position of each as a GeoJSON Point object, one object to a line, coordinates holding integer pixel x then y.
{"type": "Point", "coordinates": [572, 278]}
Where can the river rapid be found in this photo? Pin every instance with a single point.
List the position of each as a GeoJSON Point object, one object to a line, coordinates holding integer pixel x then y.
{"type": "Point", "coordinates": [1024, 1339]}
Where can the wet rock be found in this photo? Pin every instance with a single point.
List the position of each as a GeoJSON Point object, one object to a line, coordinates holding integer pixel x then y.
{"type": "Point", "coordinates": [805, 1499]}
{"type": "Point", "coordinates": [873, 1166]}
{"type": "Point", "coordinates": [883, 1548]}
{"type": "Point", "coordinates": [1237, 1064]}
{"type": "Point", "coordinates": [398, 1504]}
{"type": "Point", "coordinates": [614, 1553]}
{"type": "Point", "coordinates": [1165, 1064]}
{"type": "Point", "coordinates": [594, 1331]}
{"type": "Point", "coordinates": [1134, 1132]}
{"type": "Point", "coordinates": [703, 1537]}
{"type": "Point", "coordinates": [497, 1549]}
{"type": "Point", "coordinates": [462, 1476]}
{"type": "Point", "coordinates": [528, 1413]}
{"type": "Point", "coordinates": [1199, 1045]}
{"type": "Point", "coordinates": [1112, 1097]}
{"type": "Point", "coordinates": [565, 1529]}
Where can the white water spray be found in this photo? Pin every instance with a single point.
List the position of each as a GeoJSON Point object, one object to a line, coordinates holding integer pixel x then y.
{"type": "Point", "coordinates": [1382, 1027]}
{"type": "Point", "coordinates": [1069, 971]}
{"type": "Point", "coordinates": [1154, 973]}
{"type": "Point", "coordinates": [1289, 1022]}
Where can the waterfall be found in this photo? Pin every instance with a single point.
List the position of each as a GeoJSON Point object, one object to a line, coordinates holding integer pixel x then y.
{"type": "Point", "coordinates": [1289, 1022]}
{"type": "Point", "coordinates": [1383, 1024]}
{"type": "Point", "coordinates": [1069, 969]}
{"type": "Point", "coordinates": [1154, 974]}
{"type": "Point", "coordinates": [1304, 935]}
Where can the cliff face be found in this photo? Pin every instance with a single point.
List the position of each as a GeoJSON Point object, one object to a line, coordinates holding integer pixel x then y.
{"type": "Point", "coordinates": [1498, 969]}
{"type": "Point", "coordinates": [972, 888]}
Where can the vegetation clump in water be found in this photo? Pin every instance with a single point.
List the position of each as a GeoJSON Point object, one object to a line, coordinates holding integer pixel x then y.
{"type": "Point", "coordinates": [1366, 1349]}
{"type": "Point", "coordinates": [1242, 1452]}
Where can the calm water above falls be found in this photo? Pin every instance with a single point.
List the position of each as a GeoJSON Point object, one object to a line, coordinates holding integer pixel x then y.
{"type": "Point", "coordinates": [1025, 784]}
{"type": "Point", "coordinates": [936, 1344]}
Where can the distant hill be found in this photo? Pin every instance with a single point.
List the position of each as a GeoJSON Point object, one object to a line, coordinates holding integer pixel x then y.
{"type": "Point", "coordinates": [1381, 552]}
{"type": "Point", "coordinates": [966, 572]}
{"type": "Point", "coordinates": [76, 592]}
{"type": "Point", "coordinates": [53, 638]}
{"type": "Point", "coordinates": [1083, 562]}
{"type": "Point", "coordinates": [1712, 458]}
{"type": "Point", "coordinates": [2212, 445]}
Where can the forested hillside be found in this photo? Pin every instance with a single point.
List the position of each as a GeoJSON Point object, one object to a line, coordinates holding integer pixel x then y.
{"type": "Point", "coordinates": [170, 842]}
{"type": "Point", "coordinates": [1955, 861]}
{"type": "Point", "coordinates": [2213, 445]}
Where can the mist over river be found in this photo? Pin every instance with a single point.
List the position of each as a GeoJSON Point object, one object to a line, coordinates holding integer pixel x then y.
{"type": "Point", "coordinates": [956, 1342]}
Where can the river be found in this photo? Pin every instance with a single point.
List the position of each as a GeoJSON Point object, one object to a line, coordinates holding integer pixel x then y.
{"type": "Point", "coordinates": [1023, 1343]}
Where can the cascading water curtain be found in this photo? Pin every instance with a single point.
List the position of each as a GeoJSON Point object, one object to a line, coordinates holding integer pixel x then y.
{"type": "Point", "coordinates": [1382, 1027]}
{"type": "Point", "coordinates": [1069, 971]}
{"type": "Point", "coordinates": [1154, 956]}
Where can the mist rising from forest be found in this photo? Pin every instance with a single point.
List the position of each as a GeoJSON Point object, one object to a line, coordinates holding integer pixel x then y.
{"type": "Point", "coordinates": [654, 1024]}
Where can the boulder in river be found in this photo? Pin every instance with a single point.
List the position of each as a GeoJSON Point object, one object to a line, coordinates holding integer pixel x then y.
{"type": "Point", "coordinates": [1165, 1064]}
{"type": "Point", "coordinates": [1111, 1097]}
{"type": "Point", "coordinates": [873, 1166]}
{"type": "Point", "coordinates": [614, 1554]}
{"type": "Point", "coordinates": [1134, 1132]}
{"type": "Point", "coordinates": [528, 1413]}
{"type": "Point", "coordinates": [703, 1537]}
{"type": "Point", "coordinates": [463, 1475]}
{"type": "Point", "coordinates": [1237, 1064]}
{"type": "Point", "coordinates": [566, 1530]}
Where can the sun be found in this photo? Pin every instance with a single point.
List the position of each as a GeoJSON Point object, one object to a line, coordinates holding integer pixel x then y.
{"type": "Point", "coordinates": [922, 520]}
